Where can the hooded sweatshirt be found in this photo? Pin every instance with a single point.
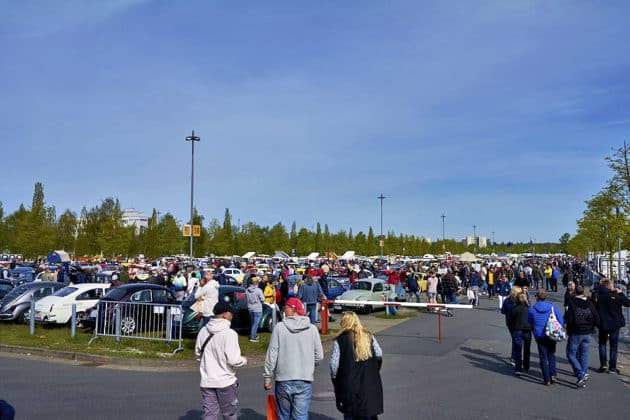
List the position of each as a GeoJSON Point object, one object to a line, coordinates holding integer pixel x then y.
{"type": "Point", "coordinates": [221, 355]}
{"type": "Point", "coordinates": [255, 298]}
{"type": "Point", "coordinates": [538, 315]}
{"type": "Point", "coordinates": [294, 350]}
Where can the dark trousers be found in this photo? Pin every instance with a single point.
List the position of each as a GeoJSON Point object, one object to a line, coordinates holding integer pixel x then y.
{"type": "Point", "coordinates": [521, 344]}
{"type": "Point", "coordinates": [547, 354]}
{"type": "Point", "coordinates": [613, 338]}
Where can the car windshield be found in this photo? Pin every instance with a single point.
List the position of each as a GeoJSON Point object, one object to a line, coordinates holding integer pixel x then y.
{"type": "Point", "coordinates": [115, 294]}
{"type": "Point", "coordinates": [65, 291]}
{"type": "Point", "coordinates": [6, 287]}
{"type": "Point", "coordinates": [17, 291]}
{"type": "Point", "coordinates": [362, 285]}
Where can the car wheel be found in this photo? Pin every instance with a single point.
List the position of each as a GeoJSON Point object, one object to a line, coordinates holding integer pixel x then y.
{"type": "Point", "coordinates": [367, 309]}
{"type": "Point", "coordinates": [127, 324]}
{"type": "Point", "coordinates": [269, 324]}
{"type": "Point", "coordinates": [21, 318]}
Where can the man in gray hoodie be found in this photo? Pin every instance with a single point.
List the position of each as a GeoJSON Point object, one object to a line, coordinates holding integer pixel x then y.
{"type": "Point", "coordinates": [294, 350]}
{"type": "Point", "coordinates": [255, 299]}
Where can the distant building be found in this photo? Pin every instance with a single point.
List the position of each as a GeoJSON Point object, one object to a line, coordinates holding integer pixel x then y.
{"type": "Point", "coordinates": [133, 217]}
{"type": "Point", "coordinates": [478, 241]}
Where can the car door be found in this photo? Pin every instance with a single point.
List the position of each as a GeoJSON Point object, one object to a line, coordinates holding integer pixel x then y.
{"type": "Point", "coordinates": [378, 291]}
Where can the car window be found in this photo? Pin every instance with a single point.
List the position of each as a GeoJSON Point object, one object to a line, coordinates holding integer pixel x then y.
{"type": "Point", "coordinates": [91, 294]}
{"type": "Point", "coordinates": [65, 291]}
{"type": "Point", "coordinates": [362, 285]}
{"type": "Point", "coordinates": [42, 292]}
{"type": "Point", "coordinates": [378, 287]}
{"type": "Point", "coordinates": [141, 296]}
{"type": "Point", "coordinates": [163, 296]}
{"type": "Point", "coordinates": [332, 284]}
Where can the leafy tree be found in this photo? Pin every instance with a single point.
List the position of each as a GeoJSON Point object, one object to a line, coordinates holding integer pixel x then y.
{"type": "Point", "coordinates": [564, 241]}
{"type": "Point", "coordinates": [372, 244]}
{"type": "Point", "coordinates": [66, 230]}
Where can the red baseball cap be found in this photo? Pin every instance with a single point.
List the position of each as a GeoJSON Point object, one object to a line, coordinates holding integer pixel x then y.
{"type": "Point", "coordinates": [296, 304]}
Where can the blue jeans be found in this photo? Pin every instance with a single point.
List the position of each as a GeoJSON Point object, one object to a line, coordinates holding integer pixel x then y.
{"type": "Point", "coordinates": [452, 298]}
{"type": "Point", "coordinates": [613, 338]}
{"type": "Point", "coordinates": [577, 353]}
{"type": "Point", "coordinates": [521, 344]}
{"type": "Point", "coordinates": [254, 318]}
{"type": "Point", "coordinates": [547, 354]}
{"type": "Point", "coordinates": [412, 294]}
{"type": "Point", "coordinates": [293, 399]}
{"type": "Point", "coordinates": [311, 311]}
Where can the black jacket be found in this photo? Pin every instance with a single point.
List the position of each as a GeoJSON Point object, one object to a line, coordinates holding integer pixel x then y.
{"type": "Point", "coordinates": [449, 283]}
{"type": "Point", "coordinates": [587, 317]}
{"type": "Point", "coordinates": [518, 318]}
{"type": "Point", "coordinates": [358, 386]}
{"type": "Point", "coordinates": [608, 304]}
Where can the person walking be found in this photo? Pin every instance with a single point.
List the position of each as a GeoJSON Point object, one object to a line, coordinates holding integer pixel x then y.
{"type": "Point", "coordinates": [309, 294]}
{"type": "Point", "coordinates": [208, 293]}
{"type": "Point", "coordinates": [255, 299]}
{"type": "Point", "coordinates": [537, 317]}
{"type": "Point", "coordinates": [449, 286]}
{"type": "Point", "coordinates": [432, 283]}
{"type": "Point", "coordinates": [218, 351]}
{"type": "Point", "coordinates": [608, 303]}
{"type": "Point", "coordinates": [355, 366]}
{"type": "Point", "coordinates": [503, 290]}
{"type": "Point", "coordinates": [412, 288]}
{"type": "Point", "coordinates": [521, 334]}
{"type": "Point", "coordinates": [581, 318]}
{"type": "Point", "coordinates": [295, 348]}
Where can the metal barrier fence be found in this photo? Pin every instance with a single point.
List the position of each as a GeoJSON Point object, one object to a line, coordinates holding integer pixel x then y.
{"type": "Point", "coordinates": [139, 321]}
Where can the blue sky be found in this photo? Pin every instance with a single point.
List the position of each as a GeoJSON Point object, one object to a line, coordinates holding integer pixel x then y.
{"type": "Point", "coordinates": [498, 114]}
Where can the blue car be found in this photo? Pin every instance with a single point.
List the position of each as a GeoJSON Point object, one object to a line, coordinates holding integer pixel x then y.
{"type": "Point", "coordinates": [336, 285]}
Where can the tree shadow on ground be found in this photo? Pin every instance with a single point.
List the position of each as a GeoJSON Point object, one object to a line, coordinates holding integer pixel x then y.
{"type": "Point", "coordinates": [496, 363]}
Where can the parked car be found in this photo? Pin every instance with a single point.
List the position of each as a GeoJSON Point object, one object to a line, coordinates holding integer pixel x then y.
{"type": "Point", "coordinates": [57, 308]}
{"type": "Point", "coordinates": [5, 287]}
{"type": "Point", "coordinates": [18, 301]}
{"type": "Point", "coordinates": [132, 319]}
{"type": "Point", "coordinates": [22, 274]}
{"type": "Point", "coordinates": [193, 321]}
{"type": "Point", "coordinates": [337, 286]}
{"type": "Point", "coordinates": [371, 289]}
{"type": "Point", "coordinates": [234, 273]}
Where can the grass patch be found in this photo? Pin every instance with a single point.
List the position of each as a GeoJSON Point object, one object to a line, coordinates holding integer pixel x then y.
{"type": "Point", "coordinates": [58, 338]}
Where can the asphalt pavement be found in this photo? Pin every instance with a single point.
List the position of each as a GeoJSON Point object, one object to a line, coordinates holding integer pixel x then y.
{"type": "Point", "coordinates": [466, 376]}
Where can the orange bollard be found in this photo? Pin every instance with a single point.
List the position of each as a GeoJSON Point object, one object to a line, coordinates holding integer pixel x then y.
{"type": "Point", "coordinates": [324, 316]}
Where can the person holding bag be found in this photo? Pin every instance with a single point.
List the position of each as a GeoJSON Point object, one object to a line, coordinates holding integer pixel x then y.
{"type": "Point", "coordinates": [538, 317]}
{"type": "Point", "coordinates": [355, 366]}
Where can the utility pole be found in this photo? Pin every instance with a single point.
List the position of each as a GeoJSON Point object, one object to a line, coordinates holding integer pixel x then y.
{"type": "Point", "coordinates": [443, 243]}
{"type": "Point", "coordinates": [192, 139]}
{"type": "Point", "coordinates": [381, 197]}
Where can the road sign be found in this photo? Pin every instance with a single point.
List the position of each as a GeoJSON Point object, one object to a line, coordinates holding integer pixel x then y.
{"type": "Point", "coordinates": [186, 230]}
{"type": "Point", "coordinates": [196, 230]}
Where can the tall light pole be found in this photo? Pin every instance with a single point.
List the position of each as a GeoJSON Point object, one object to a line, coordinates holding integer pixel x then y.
{"type": "Point", "coordinates": [192, 139]}
{"type": "Point", "coordinates": [381, 197]}
{"type": "Point", "coordinates": [443, 243]}
{"type": "Point", "coordinates": [475, 236]}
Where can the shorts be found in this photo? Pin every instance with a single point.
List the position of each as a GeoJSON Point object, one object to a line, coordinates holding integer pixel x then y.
{"type": "Point", "coordinates": [431, 295]}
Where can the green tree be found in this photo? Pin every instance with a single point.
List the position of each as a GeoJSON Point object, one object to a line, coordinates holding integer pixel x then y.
{"type": "Point", "coordinates": [564, 242]}
{"type": "Point", "coordinates": [372, 244]}
{"type": "Point", "coordinates": [67, 230]}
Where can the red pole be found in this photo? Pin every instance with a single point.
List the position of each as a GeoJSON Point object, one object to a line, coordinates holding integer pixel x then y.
{"type": "Point", "coordinates": [440, 325]}
{"type": "Point", "coordinates": [324, 316]}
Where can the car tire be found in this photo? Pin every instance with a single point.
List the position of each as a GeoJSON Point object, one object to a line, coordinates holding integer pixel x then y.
{"type": "Point", "coordinates": [367, 309]}
{"type": "Point", "coordinates": [127, 324]}
{"type": "Point", "coordinates": [269, 324]}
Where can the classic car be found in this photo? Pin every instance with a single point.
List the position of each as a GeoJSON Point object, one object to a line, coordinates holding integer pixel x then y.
{"type": "Point", "coordinates": [372, 289]}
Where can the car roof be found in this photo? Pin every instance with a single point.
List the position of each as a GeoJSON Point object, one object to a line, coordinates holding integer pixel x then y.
{"type": "Point", "coordinates": [138, 286]}
{"type": "Point", "coordinates": [88, 286]}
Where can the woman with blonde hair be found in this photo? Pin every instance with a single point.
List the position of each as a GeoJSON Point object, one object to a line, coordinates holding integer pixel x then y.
{"type": "Point", "coordinates": [355, 366]}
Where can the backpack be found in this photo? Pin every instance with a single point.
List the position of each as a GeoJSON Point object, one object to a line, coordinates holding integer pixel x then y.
{"type": "Point", "coordinates": [553, 328]}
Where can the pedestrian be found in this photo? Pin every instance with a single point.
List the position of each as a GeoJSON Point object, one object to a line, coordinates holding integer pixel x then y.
{"type": "Point", "coordinates": [449, 287]}
{"type": "Point", "coordinates": [309, 294]}
{"type": "Point", "coordinates": [218, 351]}
{"type": "Point", "coordinates": [412, 288]}
{"type": "Point", "coordinates": [503, 290]}
{"type": "Point", "coordinates": [255, 299]}
{"type": "Point", "coordinates": [521, 334]}
{"type": "Point", "coordinates": [581, 318]}
{"type": "Point", "coordinates": [474, 284]}
{"type": "Point", "coordinates": [208, 294]}
{"type": "Point", "coordinates": [355, 366]}
{"type": "Point", "coordinates": [608, 303]}
{"type": "Point", "coordinates": [506, 309]}
{"type": "Point", "coordinates": [568, 294]}
{"type": "Point", "coordinates": [537, 317]}
{"type": "Point", "coordinates": [295, 348]}
{"type": "Point", "coordinates": [432, 283]}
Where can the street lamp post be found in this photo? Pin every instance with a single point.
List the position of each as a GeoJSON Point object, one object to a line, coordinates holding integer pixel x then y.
{"type": "Point", "coordinates": [475, 236]}
{"type": "Point", "coordinates": [192, 139]}
{"type": "Point", "coordinates": [443, 243]}
{"type": "Point", "coordinates": [381, 197]}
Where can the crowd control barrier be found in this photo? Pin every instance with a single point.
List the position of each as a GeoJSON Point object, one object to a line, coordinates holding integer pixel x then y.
{"type": "Point", "coordinates": [139, 321]}
{"type": "Point", "coordinates": [438, 307]}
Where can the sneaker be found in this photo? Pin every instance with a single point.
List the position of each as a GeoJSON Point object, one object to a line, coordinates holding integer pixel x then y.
{"type": "Point", "coordinates": [581, 382]}
{"type": "Point", "coordinates": [587, 376]}
{"type": "Point", "coordinates": [547, 383]}
{"type": "Point", "coordinates": [614, 370]}
{"type": "Point", "coordinates": [553, 379]}
{"type": "Point", "coordinates": [253, 340]}
{"type": "Point", "coordinates": [512, 362]}
{"type": "Point", "coordinates": [602, 369]}
{"type": "Point", "coordinates": [518, 373]}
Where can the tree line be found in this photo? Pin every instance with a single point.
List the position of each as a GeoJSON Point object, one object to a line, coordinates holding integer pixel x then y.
{"type": "Point", "coordinates": [100, 230]}
{"type": "Point", "coordinates": [605, 220]}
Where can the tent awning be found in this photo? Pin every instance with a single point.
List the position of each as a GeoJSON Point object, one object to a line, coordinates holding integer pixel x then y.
{"type": "Point", "coordinates": [249, 254]}
{"type": "Point", "coordinates": [348, 255]}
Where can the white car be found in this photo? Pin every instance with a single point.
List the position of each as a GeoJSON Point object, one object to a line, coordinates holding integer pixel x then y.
{"type": "Point", "coordinates": [234, 273]}
{"type": "Point", "coordinates": [57, 308]}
